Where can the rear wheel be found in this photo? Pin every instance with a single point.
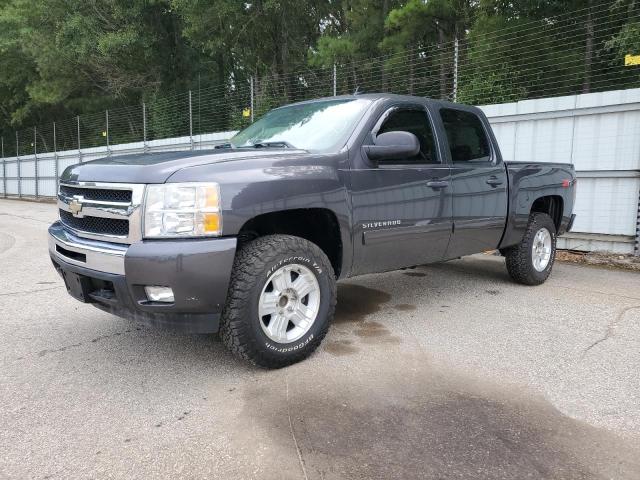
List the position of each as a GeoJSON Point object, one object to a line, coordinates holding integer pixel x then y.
{"type": "Point", "coordinates": [281, 301]}
{"type": "Point", "coordinates": [530, 262]}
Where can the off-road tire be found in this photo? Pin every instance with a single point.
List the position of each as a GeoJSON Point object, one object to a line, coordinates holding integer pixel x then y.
{"type": "Point", "coordinates": [240, 328]}
{"type": "Point", "coordinates": [519, 258]}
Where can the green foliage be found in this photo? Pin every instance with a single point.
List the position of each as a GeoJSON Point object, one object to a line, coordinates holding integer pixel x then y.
{"type": "Point", "coordinates": [73, 56]}
{"type": "Point", "coordinates": [419, 23]}
{"type": "Point", "coordinates": [61, 58]}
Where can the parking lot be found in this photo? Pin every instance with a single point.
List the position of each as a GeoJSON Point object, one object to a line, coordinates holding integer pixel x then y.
{"type": "Point", "coordinates": [446, 371]}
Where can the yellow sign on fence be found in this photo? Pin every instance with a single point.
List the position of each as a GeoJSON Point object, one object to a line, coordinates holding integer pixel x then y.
{"type": "Point", "coordinates": [246, 112]}
{"type": "Point", "coordinates": [631, 60]}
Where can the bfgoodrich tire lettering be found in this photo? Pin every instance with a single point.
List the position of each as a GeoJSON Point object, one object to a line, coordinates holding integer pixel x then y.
{"type": "Point", "coordinates": [520, 258]}
{"type": "Point", "coordinates": [241, 329]}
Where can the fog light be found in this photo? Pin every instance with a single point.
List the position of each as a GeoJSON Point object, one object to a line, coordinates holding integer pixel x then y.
{"type": "Point", "coordinates": [159, 294]}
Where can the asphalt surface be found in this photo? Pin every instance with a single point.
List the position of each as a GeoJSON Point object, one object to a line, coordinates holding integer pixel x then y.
{"type": "Point", "coordinates": [447, 371]}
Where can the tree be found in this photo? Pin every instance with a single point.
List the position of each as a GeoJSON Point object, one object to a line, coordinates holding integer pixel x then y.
{"type": "Point", "coordinates": [265, 38]}
{"type": "Point", "coordinates": [524, 49]}
{"type": "Point", "coordinates": [81, 55]}
{"type": "Point", "coordinates": [65, 57]}
{"type": "Point", "coordinates": [426, 30]}
{"type": "Point", "coordinates": [352, 39]}
{"type": "Point", "coordinates": [625, 41]}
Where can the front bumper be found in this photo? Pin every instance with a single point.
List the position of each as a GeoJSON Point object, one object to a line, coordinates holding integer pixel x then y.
{"type": "Point", "coordinates": [112, 277]}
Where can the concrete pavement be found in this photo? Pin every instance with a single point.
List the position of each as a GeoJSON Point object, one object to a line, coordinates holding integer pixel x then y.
{"type": "Point", "coordinates": [447, 371]}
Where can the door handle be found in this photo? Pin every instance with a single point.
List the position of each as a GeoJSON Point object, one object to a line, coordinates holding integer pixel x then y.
{"type": "Point", "coordinates": [494, 181]}
{"type": "Point", "coordinates": [437, 184]}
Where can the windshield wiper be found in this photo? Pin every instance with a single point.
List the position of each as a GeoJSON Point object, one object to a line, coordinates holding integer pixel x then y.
{"type": "Point", "coordinates": [271, 145]}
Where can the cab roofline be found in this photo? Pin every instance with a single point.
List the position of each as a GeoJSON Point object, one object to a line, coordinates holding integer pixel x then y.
{"type": "Point", "coordinates": [373, 97]}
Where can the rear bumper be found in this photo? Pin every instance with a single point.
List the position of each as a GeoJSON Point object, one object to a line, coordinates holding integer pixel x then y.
{"type": "Point", "coordinates": [113, 277]}
{"type": "Point", "coordinates": [570, 224]}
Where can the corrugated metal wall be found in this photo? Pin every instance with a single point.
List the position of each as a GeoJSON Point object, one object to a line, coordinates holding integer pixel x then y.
{"type": "Point", "coordinates": [37, 175]}
{"type": "Point", "coordinates": [600, 134]}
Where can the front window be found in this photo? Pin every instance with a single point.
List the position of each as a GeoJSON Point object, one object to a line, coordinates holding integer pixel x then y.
{"type": "Point", "coordinates": [416, 122]}
{"type": "Point", "coordinates": [317, 127]}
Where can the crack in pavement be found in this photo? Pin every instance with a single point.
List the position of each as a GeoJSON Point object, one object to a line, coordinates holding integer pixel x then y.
{"type": "Point", "coordinates": [611, 330]}
{"type": "Point", "coordinates": [293, 435]}
{"type": "Point", "coordinates": [38, 290]}
{"type": "Point", "coordinates": [47, 351]}
{"type": "Point", "coordinates": [42, 353]}
{"type": "Point", "coordinates": [25, 217]}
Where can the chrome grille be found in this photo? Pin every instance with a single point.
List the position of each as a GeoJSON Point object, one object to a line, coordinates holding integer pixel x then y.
{"type": "Point", "coordinates": [102, 211]}
{"type": "Point", "coordinates": [101, 194]}
{"type": "Point", "coordinates": [97, 225]}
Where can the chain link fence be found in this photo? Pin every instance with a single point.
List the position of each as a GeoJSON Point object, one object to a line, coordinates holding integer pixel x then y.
{"type": "Point", "coordinates": [569, 54]}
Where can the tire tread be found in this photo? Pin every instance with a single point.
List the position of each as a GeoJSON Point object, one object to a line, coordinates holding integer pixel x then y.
{"type": "Point", "coordinates": [518, 257]}
{"type": "Point", "coordinates": [251, 258]}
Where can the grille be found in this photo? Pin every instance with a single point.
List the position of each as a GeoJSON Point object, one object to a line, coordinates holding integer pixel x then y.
{"type": "Point", "coordinates": [99, 194]}
{"type": "Point", "coordinates": [97, 225]}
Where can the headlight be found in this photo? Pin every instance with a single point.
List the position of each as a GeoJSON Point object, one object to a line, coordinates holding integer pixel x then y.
{"type": "Point", "coordinates": [182, 210]}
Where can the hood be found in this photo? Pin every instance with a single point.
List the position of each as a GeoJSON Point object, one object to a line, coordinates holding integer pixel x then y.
{"type": "Point", "coordinates": [158, 167]}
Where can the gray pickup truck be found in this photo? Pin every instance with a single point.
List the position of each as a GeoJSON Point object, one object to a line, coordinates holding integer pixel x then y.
{"type": "Point", "coordinates": [249, 239]}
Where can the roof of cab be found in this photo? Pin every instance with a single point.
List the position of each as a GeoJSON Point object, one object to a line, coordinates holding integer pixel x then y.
{"type": "Point", "coordinates": [374, 97]}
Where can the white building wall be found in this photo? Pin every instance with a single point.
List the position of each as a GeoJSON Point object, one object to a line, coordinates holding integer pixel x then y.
{"type": "Point", "coordinates": [600, 134]}
{"type": "Point", "coordinates": [51, 165]}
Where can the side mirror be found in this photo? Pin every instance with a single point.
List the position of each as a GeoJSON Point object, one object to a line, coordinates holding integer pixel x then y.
{"type": "Point", "coordinates": [393, 146]}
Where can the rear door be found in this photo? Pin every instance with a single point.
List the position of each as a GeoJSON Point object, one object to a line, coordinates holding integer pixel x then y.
{"type": "Point", "coordinates": [401, 208]}
{"type": "Point", "coordinates": [479, 182]}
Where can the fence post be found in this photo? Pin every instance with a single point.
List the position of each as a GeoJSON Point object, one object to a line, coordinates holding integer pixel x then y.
{"type": "Point", "coordinates": [35, 157]}
{"type": "Point", "coordinates": [18, 166]}
{"type": "Point", "coordinates": [190, 122]}
{"type": "Point", "coordinates": [56, 166]}
{"type": "Point", "coordinates": [79, 151]}
{"type": "Point", "coordinates": [335, 81]}
{"type": "Point", "coordinates": [252, 99]}
{"type": "Point", "coordinates": [106, 114]}
{"type": "Point", "coordinates": [4, 169]}
{"type": "Point", "coordinates": [144, 127]}
{"type": "Point", "coordinates": [455, 69]}
{"type": "Point", "coordinates": [636, 248]}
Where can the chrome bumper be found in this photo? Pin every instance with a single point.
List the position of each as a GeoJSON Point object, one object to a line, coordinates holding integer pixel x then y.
{"type": "Point", "coordinates": [95, 255]}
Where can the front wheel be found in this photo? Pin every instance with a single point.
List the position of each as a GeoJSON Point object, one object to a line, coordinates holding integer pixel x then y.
{"type": "Point", "coordinates": [281, 300]}
{"type": "Point", "coordinates": [530, 262]}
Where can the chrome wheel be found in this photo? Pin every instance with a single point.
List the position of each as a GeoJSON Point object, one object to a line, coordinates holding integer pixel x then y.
{"type": "Point", "coordinates": [541, 249]}
{"type": "Point", "coordinates": [289, 303]}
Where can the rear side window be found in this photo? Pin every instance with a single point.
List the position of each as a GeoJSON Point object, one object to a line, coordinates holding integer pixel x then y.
{"type": "Point", "coordinates": [467, 138]}
{"type": "Point", "coordinates": [416, 122]}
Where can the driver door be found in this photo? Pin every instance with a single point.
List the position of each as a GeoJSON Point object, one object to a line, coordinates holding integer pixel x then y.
{"type": "Point", "coordinates": [402, 207]}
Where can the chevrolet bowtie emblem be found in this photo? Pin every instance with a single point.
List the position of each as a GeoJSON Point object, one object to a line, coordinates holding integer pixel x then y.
{"type": "Point", "coordinates": [75, 206]}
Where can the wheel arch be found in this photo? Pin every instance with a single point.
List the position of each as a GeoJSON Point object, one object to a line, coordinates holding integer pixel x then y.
{"type": "Point", "coordinates": [317, 225]}
{"type": "Point", "coordinates": [552, 205]}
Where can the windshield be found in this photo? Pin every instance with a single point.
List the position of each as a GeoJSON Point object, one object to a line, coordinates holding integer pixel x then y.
{"type": "Point", "coordinates": [316, 127]}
